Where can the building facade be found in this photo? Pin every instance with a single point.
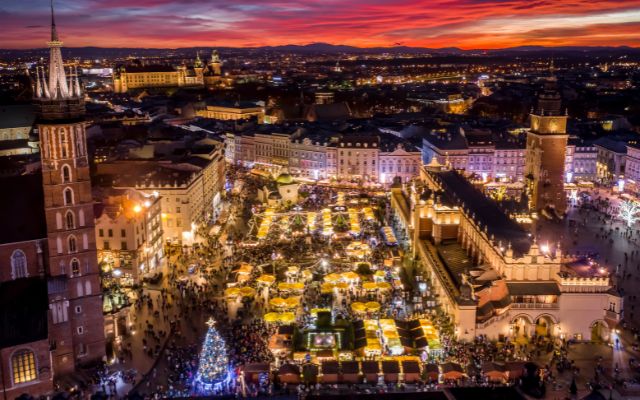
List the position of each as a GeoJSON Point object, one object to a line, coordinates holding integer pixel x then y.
{"type": "Point", "coordinates": [24, 343]}
{"type": "Point", "coordinates": [546, 155]}
{"type": "Point", "coordinates": [477, 154]}
{"type": "Point", "coordinates": [371, 158]}
{"type": "Point", "coordinates": [231, 111]}
{"type": "Point", "coordinates": [129, 234]}
{"type": "Point", "coordinates": [130, 77]}
{"type": "Point", "coordinates": [76, 332]}
{"type": "Point", "coordinates": [16, 130]}
{"type": "Point", "coordinates": [190, 189]}
{"type": "Point", "coordinates": [489, 276]}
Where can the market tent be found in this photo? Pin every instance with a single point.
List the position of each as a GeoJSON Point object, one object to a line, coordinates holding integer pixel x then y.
{"type": "Point", "coordinates": [310, 373]}
{"type": "Point", "coordinates": [391, 371]}
{"type": "Point", "coordinates": [370, 370]}
{"type": "Point", "coordinates": [432, 372]}
{"type": "Point", "coordinates": [350, 372]}
{"type": "Point", "coordinates": [330, 370]}
{"type": "Point", "coordinates": [515, 369]}
{"type": "Point", "coordinates": [289, 373]}
{"type": "Point", "coordinates": [411, 371]}
{"type": "Point", "coordinates": [451, 371]}
{"type": "Point", "coordinates": [252, 371]}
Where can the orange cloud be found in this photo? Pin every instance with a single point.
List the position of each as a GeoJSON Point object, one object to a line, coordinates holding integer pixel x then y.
{"type": "Point", "coordinates": [428, 23]}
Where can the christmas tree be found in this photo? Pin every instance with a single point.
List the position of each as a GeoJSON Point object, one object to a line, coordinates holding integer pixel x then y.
{"type": "Point", "coordinates": [213, 365]}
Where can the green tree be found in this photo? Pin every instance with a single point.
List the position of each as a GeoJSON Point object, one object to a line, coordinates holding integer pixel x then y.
{"type": "Point", "coordinates": [213, 364]}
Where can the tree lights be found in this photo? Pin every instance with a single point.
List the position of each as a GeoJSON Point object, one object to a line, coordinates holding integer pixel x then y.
{"type": "Point", "coordinates": [213, 368]}
{"type": "Point", "coordinates": [629, 212]}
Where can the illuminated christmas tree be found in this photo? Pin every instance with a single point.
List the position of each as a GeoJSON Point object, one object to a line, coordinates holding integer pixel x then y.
{"type": "Point", "coordinates": [213, 368]}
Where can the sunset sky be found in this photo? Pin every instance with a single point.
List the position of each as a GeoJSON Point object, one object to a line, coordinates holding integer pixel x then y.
{"type": "Point", "coordinates": [246, 23]}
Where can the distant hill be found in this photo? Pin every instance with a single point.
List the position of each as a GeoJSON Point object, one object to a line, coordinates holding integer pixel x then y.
{"type": "Point", "coordinates": [317, 48]}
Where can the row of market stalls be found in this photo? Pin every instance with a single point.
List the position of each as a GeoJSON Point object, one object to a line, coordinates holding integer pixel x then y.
{"type": "Point", "coordinates": [373, 338]}
{"type": "Point", "coordinates": [272, 222]}
{"type": "Point", "coordinates": [393, 370]}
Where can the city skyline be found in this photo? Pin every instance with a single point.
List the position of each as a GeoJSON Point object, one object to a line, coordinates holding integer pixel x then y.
{"type": "Point", "coordinates": [467, 24]}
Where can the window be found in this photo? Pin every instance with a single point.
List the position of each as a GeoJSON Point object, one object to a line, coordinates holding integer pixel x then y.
{"type": "Point", "coordinates": [63, 144]}
{"type": "Point", "coordinates": [177, 209]}
{"type": "Point", "coordinates": [106, 245]}
{"type": "Point", "coordinates": [123, 245]}
{"type": "Point", "coordinates": [80, 330]}
{"type": "Point", "coordinates": [78, 309]}
{"type": "Point", "coordinates": [23, 366]}
{"type": "Point", "coordinates": [101, 232]}
{"type": "Point", "coordinates": [75, 267]}
{"type": "Point", "coordinates": [71, 241]}
{"type": "Point", "coordinates": [68, 196]}
{"type": "Point", "coordinates": [110, 232]}
{"type": "Point", "coordinates": [123, 232]}
{"type": "Point", "coordinates": [66, 174]}
{"type": "Point", "coordinates": [70, 220]}
{"type": "Point", "coordinates": [59, 311]}
{"type": "Point", "coordinates": [18, 264]}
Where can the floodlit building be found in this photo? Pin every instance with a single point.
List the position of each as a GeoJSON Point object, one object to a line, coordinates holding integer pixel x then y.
{"type": "Point", "coordinates": [129, 233]}
{"type": "Point", "coordinates": [546, 153]}
{"type": "Point", "coordinates": [76, 330]}
{"type": "Point", "coordinates": [190, 189]}
{"type": "Point", "coordinates": [129, 77]}
{"type": "Point", "coordinates": [16, 130]}
{"type": "Point", "coordinates": [231, 111]}
{"type": "Point", "coordinates": [489, 275]}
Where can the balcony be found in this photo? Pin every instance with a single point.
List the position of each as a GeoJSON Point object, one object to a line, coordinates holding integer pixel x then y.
{"type": "Point", "coordinates": [536, 306]}
{"type": "Point", "coordinates": [613, 315]}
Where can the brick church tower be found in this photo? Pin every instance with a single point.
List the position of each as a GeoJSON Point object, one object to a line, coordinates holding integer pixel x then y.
{"type": "Point", "coordinates": [546, 148]}
{"type": "Point", "coordinates": [76, 325]}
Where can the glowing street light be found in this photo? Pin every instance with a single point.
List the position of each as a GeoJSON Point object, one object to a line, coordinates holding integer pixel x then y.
{"type": "Point", "coordinates": [545, 248]}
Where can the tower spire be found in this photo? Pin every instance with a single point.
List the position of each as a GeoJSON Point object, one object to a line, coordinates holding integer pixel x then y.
{"type": "Point", "coordinates": [54, 32]}
{"type": "Point", "coordinates": [58, 85]}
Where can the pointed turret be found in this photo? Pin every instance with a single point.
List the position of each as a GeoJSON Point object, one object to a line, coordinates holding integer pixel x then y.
{"type": "Point", "coordinates": [45, 87]}
{"type": "Point", "coordinates": [58, 87]}
{"type": "Point", "coordinates": [38, 89]}
{"type": "Point", "coordinates": [59, 96]}
{"type": "Point", "coordinates": [198, 62]}
{"type": "Point", "coordinates": [77, 90]}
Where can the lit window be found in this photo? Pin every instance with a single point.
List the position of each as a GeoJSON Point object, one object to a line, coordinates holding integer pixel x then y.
{"type": "Point", "coordinates": [19, 264]}
{"type": "Point", "coordinates": [75, 267]}
{"type": "Point", "coordinates": [23, 365]}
